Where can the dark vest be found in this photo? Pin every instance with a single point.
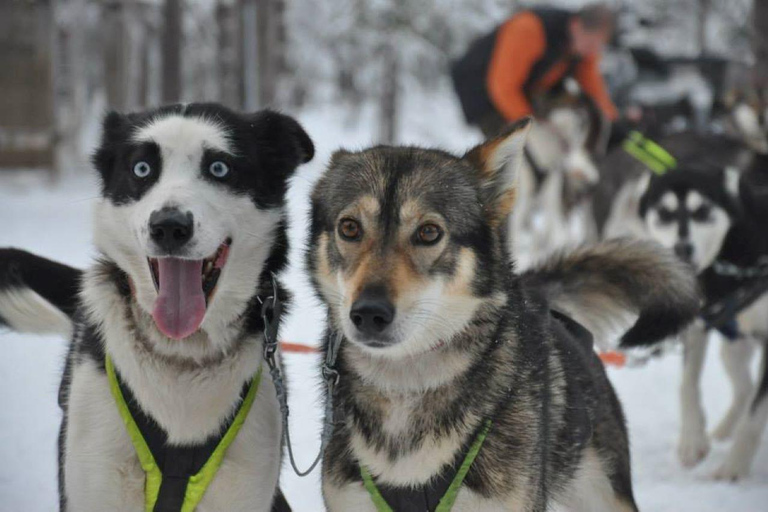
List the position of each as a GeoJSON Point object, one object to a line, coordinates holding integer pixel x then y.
{"type": "Point", "coordinates": [470, 72]}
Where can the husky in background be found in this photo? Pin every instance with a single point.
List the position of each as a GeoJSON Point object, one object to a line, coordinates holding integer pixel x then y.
{"type": "Point", "coordinates": [445, 348]}
{"type": "Point", "coordinates": [624, 179]}
{"type": "Point", "coordinates": [557, 177]}
{"type": "Point", "coordinates": [714, 219]}
{"type": "Point", "coordinates": [190, 227]}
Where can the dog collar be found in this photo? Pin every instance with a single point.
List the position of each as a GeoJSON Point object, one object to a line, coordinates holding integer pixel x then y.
{"type": "Point", "coordinates": [176, 476]}
{"type": "Point", "coordinates": [423, 495]}
{"type": "Point", "coordinates": [652, 155]}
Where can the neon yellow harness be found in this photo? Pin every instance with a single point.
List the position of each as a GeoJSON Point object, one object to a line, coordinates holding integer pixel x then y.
{"type": "Point", "coordinates": [199, 482]}
{"type": "Point", "coordinates": [449, 498]}
{"type": "Point", "coordinates": [653, 156]}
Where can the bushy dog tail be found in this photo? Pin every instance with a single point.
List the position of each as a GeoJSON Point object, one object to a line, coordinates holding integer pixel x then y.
{"type": "Point", "coordinates": [630, 288]}
{"type": "Point", "coordinates": [37, 295]}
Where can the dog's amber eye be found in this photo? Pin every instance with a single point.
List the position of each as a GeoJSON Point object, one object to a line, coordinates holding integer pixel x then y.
{"type": "Point", "coordinates": [350, 229]}
{"type": "Point", "coordinates": [429, 234]}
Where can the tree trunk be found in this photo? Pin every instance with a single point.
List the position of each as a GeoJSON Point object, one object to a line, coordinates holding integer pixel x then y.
{"type": "Point", "coordinates": [228, 16]}
{"type": "Point", "coordinates": [145, 48]}
{"type": "Point", "coordinates": [705, 6]}
{"type": "Point", "coordinates": [116, 41]}
{"type": "Point", "coordinates": [172, 43]}
{"type": "Point", "coordinates": [388, 115]}
{"type": "Point", "coordinates": [250, 54]}
{"type": "Point", "coordinates": [760, 45]}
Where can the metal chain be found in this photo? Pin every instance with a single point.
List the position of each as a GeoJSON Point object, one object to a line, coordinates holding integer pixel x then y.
{"type": "Point", "coordinates": [270, 314]}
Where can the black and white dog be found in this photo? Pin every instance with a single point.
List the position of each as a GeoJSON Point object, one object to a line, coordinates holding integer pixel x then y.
{"type": "Point", "coordinates": [715, 220]}
{"type": "Point", "coordinates": [190, 227]}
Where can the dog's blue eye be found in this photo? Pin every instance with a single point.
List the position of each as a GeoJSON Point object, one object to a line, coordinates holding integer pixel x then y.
{"type": "Point", "coordinates": [218, 169]}
{"type": "Point", "coordinates": [142, 169]}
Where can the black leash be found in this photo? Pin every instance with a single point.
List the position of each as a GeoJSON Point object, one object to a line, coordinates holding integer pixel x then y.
{"type": "Point", "coordinates": [271, 309]}
{"type": "Point", "coordinates": [721, 312]}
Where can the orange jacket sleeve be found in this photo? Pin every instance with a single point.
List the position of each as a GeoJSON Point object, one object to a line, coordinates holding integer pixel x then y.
{"type": "Point", "coordinates": [520, 43]}
{"type": "Point", "coordinates": [591, 81]}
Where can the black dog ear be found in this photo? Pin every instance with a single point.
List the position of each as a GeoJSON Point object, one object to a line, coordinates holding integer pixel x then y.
{"type": "Point", "coordinates": [113, 129]}
{"type": "Point", "coordinates": [283, 138]}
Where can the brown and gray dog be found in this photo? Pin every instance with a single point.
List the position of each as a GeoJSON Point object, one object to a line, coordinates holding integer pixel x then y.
{"type": "Point", "coordinates": [463, 385]}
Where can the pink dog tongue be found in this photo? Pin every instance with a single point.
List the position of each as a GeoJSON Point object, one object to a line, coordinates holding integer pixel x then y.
{"type": "Point", "coordinates": [180, 306]}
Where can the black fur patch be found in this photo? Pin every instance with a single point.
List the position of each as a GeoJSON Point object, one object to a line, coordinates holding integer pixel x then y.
{"type": "Point", "coordinates": [267, 148]}
{"type": "Point", "coordinates": [55, 282]}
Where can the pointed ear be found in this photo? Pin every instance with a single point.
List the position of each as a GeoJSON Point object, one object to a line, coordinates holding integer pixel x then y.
{"type": "Point", "coordinates": [114, 128]}
{"type": "Point", "coordinates": [283, 139]}
{"type": "Point", "coordinates": [498, 161]}
{"type": "Point", "coordinates": [640, 192]}
{"type": "Point", "coordinates": [338, 156]}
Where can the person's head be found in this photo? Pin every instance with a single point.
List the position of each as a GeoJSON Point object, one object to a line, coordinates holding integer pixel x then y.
{"type": "Point", "coordinates": [591, 28]}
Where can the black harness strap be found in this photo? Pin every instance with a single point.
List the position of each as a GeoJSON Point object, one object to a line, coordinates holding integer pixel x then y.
{"type": "Point", "coordinates": [423, 498]}
{"type": "Point", "coordinates": [177, 463]}
{"type": "Point", "coordinates": [721, 315]}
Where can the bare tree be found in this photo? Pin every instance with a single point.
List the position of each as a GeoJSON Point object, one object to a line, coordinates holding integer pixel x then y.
{"type": "Point", "coordinates": [116, 55]}
{"type": "Point", "coordinates": [390, 95]}
{"type": "Point", "coordinates": [705, 8]}
{"type": "Point", "coordinates": [172, 44]}
{"type": "Point", "coordinates": [228, 16]}
{"type": "Point", "coordinates": [760, 44]}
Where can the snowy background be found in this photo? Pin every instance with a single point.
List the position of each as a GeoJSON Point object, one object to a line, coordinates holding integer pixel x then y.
{"type": "Point", "coordinates": [333, 80]}
{"type": "Point", "coordinates": [54, 221]}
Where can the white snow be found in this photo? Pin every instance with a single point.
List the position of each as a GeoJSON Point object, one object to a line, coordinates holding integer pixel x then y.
{"type": "Point", "coordinates": [54, 221]}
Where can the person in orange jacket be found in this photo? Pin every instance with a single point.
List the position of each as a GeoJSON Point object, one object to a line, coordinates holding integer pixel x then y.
{"type": "Point", "coordinates": [532, 53]}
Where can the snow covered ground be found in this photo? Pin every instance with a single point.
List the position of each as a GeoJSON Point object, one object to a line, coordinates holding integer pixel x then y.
{"type": "Point", "coordinates": [54, 221]}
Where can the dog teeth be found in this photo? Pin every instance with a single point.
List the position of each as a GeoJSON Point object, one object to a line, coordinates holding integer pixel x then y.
{"type": "Point", "coordinates": [210, 281]}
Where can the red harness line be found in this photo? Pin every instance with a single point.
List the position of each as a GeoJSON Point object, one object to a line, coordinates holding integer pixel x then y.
{"type": "Point", "coordinates": [610, 358]}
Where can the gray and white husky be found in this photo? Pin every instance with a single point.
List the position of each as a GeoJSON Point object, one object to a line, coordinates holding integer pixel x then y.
{"type": "Point", "coordinates": [190, 226]}
{"type": "Point", "coordinates": [445, 347]}
{"type": "Point", "coordinates": [714, 219]}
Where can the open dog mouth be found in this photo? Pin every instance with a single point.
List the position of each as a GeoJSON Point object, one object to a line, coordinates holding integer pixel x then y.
{"type": "Point", "coordinates": [184, 289]}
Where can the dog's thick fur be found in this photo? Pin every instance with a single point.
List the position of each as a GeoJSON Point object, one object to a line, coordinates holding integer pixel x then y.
{"type": "Point", "coordinates": [712, 215]}
{"type": "Point", "coordinates": [189, 387]}
{"type": "Point", "coordinates": [468, 340]}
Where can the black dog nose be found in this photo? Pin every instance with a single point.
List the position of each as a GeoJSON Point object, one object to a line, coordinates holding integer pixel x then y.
{"type": "Point", "coordinates": [170, 229]}
{"type": "Point", "coordinates": [372, 312]}
{"type": "Point", "coordinates": [684, 250]}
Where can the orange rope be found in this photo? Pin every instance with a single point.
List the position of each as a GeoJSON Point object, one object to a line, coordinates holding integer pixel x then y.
{"type": "Point", "coordinates": [297, 348]}
{"type": "Point", "coordinates": [611, 358]}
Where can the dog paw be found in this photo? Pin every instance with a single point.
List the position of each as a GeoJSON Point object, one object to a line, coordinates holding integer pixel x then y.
{"type": "Point", "coordinates": [731, 471]}
{"type": "Point", "coordinates": [693, 448]}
